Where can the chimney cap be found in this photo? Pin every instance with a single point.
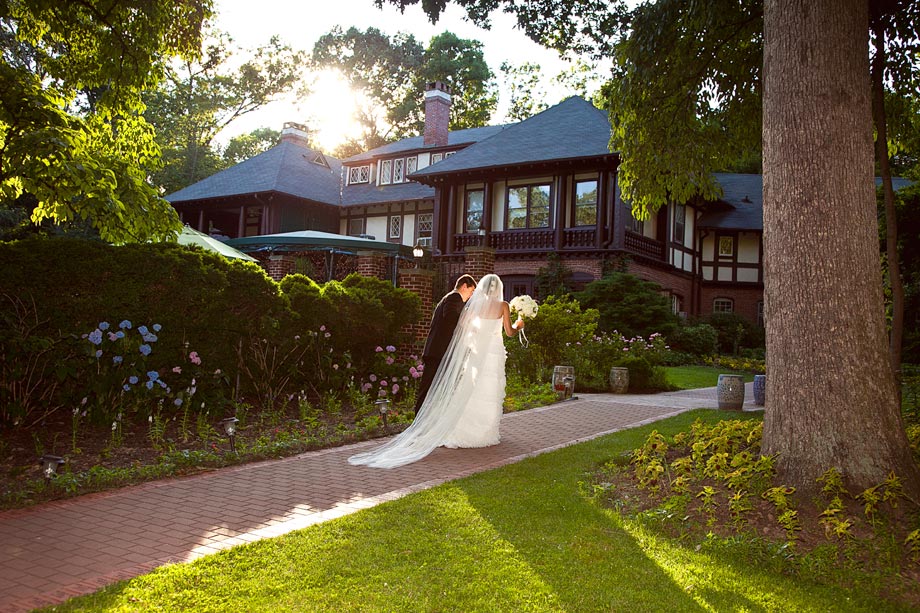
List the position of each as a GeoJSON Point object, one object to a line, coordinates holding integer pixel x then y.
{"type": "Point", "coordinates": [437, 86]}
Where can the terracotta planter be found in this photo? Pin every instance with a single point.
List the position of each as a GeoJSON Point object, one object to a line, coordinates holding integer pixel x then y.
{"type": "Point", "coordinates": [619, 380]}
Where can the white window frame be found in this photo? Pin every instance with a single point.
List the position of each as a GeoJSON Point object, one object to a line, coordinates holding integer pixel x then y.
{"type": "Point", "coordinates": [399, 164]}
{"type": "Point", "coordinates": [723, 305]}
{"type": "Point", "coordinates": [359, 174]}
{"type": "Point", "coordinates": [394, 227]}
{"type": "Point", "coordinates": [386, 172]}
{"type": "Point", "coordinates": [411, 165]}
{"type": "Point", "coordinates": [730, 242]}
{"type": "Point", "coordinates": [680, 223]}
{"type": "Point", "coordinates": [436, 157]}
{"type": "Point", "coordinates": [425, 225]}
{"type": "Point", "coordinates": [360, 221]}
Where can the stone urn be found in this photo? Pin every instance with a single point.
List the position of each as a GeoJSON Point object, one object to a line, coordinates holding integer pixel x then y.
{"type": "Point", "coordinates": [760, 390]}
{"type": "Point", "coordinates": [731, 392]}
{"type": "Point", "coordinates": [619, 380]}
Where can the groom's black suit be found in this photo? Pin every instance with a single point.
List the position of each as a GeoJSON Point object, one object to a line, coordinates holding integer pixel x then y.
{"type": "Point", "coordinates": [443, 323]}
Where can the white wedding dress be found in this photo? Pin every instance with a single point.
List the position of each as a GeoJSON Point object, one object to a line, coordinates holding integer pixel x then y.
{"type": "Point", "coordinates": [463, 407]}
{"type": "Point", "coordinates": [479, 419]}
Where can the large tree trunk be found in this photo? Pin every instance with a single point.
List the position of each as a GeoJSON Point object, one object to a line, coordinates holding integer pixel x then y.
{"type": "Point", "coordinates": [896, 336]}
{"type": "Point", "coordinates": [832, 396]}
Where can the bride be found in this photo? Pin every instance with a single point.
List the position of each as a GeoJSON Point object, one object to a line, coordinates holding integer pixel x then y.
{"type": "Point", "coordinates": [464, 405]}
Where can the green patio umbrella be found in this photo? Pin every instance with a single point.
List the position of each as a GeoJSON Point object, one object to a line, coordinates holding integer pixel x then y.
{"type": "Point", "coordinates": [190, 236]}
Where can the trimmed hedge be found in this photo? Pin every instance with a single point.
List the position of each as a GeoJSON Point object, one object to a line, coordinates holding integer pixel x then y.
{"type": "Point", "coordinates": [55, 292]}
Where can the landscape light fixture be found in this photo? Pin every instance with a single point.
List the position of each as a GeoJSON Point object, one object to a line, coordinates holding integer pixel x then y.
{"type": "Point", "coordinates": [383, 407]}
{"type": "Point", "coordinates": [229, 425]}
{"type": "Point", "coordinates": [50, 464]}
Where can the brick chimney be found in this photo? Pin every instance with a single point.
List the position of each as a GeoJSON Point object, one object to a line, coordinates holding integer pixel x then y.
{"type": "Point", "coordinates": [437, 114]}
{"type": "Point", "coordinates": [295, 133]}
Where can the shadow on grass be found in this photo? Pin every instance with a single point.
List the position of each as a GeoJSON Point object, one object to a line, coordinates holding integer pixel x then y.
{"type": "Point", "coordinates": [519, 538]}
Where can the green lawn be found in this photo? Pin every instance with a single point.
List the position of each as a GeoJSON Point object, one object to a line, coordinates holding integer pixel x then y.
{"type": "Point", "coordinates": [692, 377]}
{"type": "Point", "coordinates": [524, 537]}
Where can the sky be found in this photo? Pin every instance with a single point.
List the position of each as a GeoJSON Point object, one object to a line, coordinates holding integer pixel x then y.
{"type": "Point", "coordinates": [301, 23]}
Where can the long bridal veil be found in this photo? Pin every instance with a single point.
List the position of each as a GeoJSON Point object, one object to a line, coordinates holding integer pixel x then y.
{"type": "Point", "coordinates": [452, 385]}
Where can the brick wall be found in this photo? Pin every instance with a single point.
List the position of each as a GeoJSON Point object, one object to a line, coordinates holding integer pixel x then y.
{"type": "Point", "coordinates": [372, 264]}
{"type": "Point", "coordinates": [278, 267]}
{"type": "Point", "coordinates": [480, 261]}
{"type": "Point", "coordinates": [745, 300]}
{"type": "Point", "coordinates": [422, 283]}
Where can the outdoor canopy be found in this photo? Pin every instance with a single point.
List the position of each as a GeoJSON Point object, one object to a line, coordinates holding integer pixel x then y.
{"type": "Point", "coordinates": [309, 240]}
{"type": "Point", "coordinates": [190, 236]}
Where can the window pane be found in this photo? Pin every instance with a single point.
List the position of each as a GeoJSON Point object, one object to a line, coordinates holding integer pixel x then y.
{"type": "Point", "coordinates": [474, 200]}
{"type": "Point", "coordinates": [585, 203]}
{"type": "Point", "coordinates": [395, 226]}
{"type": "Point", "coordinates": [425, 222]}
{"type": "Point", "coordinates": [517, 207]}
{"type": "Point", "coordinates": [386, 171]}
{"type": "Point", "coordinates": [586, 192]}
{"type": "Point", "coordinates": [539, 206]}
{"type": "Point", "coordinates": [355, 227]}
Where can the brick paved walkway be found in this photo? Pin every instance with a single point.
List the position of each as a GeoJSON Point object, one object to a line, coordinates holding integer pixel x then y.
{"type": "Point", "coordinates": [62, 549]}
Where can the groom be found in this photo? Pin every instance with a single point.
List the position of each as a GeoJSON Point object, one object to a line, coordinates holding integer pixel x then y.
{"type": "Point", "coordinates": [443, 322]}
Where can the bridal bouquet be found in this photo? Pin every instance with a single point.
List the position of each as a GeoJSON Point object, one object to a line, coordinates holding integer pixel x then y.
{"type": "Point", "coordinates": [526, 308]}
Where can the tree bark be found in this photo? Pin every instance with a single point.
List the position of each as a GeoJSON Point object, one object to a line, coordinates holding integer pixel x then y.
{"type": "Point", "coordinates": [832, 396]}
{"type": "Point", "coordinates": [896, 334]}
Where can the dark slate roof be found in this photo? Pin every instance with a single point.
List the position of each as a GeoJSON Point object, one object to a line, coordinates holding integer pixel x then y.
{"type": "Point", "coordinates": [572, 129]}
{"type": "Point", "coordinates": [454, 138]}
{"type": "Point", "coordinates": [741, 204]}
{"type": "Point", "coordinates": [286, 168]}
{"type": "Point", "coordinates": [371, 193]}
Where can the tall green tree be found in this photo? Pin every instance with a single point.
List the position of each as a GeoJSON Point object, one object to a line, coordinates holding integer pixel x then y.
{"type": "Point", "coordinates": [390, 73]}
{"type": "Point", "coordinates": [73, 137]}
{"type": "Point", "coordinates": [686, 77]}
{"type": "Point", "coordinates": [200, 97]}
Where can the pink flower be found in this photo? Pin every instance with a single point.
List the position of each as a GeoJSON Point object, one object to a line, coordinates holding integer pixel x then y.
{"type": "Point", "coordinates": [378, 349]}
{"type": "Point", "coordinates": [365, 387]}
{"type": "Point", "coordinates": [412, 371]}
{"type": "Point", "coordinates": [193, 358]}
{"type": "Point", "coordinates": [390, 360]}
{"type": "Point", "coordinates": [327, 335]}
{"type": "Point", "coordinates": [395, 388]}
{"type": "Point", "coordinates": [177, 369]}
{"type": "Point", "coordinates": [373, 377]}
{"type": "Point", "coordinates": [322, 328]}
{"type": "Point", "coordinates": [383, 383]}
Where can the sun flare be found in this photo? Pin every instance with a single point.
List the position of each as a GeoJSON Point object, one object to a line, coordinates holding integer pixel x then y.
{"type": "Point", "coordinates": [331, 109]}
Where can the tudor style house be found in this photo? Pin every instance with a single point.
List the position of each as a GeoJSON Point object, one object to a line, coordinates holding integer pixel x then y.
{"type": "Point", "coordinates": [513, 194]}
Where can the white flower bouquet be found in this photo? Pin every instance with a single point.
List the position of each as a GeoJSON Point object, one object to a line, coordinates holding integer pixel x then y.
{"type": "Point", "coordinates": [525, 306]}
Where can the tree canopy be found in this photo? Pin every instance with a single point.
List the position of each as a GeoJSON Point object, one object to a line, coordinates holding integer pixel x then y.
{"type": "Point", "coordinates": [73, 137]}
{"type": "Point", "coordinates": [200, 97]}
{"type": "Point", "coordinates": [391, 73]}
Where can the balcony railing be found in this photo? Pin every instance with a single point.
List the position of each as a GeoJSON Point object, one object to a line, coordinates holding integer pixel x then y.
{"type": "Point", "coordinates": [644, 245]}
{"type": "Point", "coordinates": [545, 240]}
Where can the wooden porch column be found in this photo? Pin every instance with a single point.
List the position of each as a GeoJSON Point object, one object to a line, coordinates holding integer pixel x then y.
{"type": "Point", "coordinates": [558, 197]}
{"type": "Point", "coordinates": [201, 221]}
{"type": "Point", "coordinates": [241, 224]}
{"type": "Point", "coordinates": [451, 219]}
{"type": "Point", "coordinates": [437, 220]}
{"type": "Point", "coordinates": [600, 224]}
{"type": "Point", "coordinates": [487, 211]}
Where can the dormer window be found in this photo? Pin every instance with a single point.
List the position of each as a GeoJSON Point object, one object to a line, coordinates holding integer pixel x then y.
{"type": "Point", "coordinates": [396, 170]}
{"type": "Point", "coordinates": [359, 174]}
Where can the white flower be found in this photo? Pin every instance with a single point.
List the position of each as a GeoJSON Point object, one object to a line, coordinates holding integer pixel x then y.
{"type": "Point", "coordinates": [525, 306]}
